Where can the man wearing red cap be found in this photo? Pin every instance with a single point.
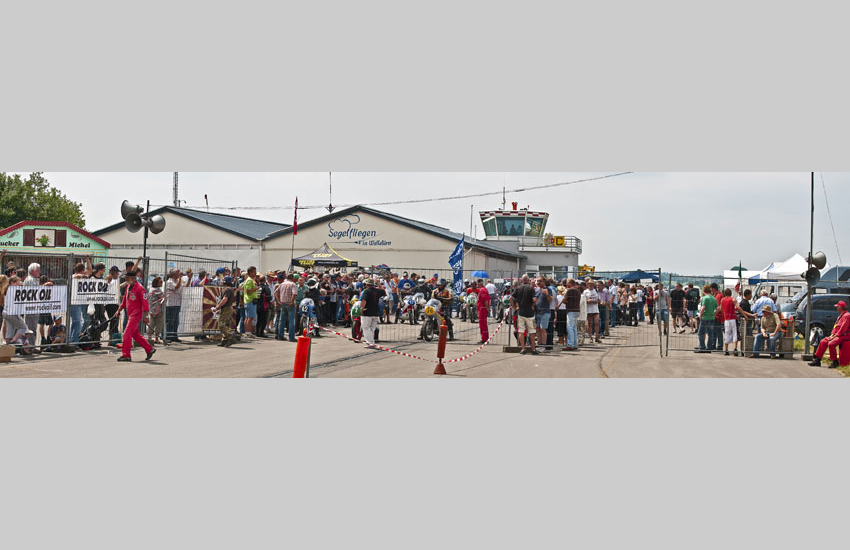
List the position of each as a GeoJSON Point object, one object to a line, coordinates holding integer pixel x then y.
{"type": "Point", "coordinates": [840, 334]}
{"type": "Point", "coordinates": [136, 303]}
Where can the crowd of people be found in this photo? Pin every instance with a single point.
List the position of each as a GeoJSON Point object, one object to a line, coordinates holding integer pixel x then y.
{"type": "Point", "coordinates": [545, 313]}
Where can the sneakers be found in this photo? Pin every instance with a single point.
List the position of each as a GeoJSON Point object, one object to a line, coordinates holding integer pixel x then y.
{"type": "Point", "coordinates": [735, 353]}
{"type": "Point", "coordinates": [148, 358]}
{"type": "Point", "coordinates": [123, 359]}
{"type": "Point", "coordinates": [535, 352]}
{"type": "Point", "coordinates": [523, 352]}
{"type": "Point", "coordinates": [726, 353]}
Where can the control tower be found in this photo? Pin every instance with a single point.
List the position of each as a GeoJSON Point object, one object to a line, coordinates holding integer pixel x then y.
{"type": "Point", "coordinates": [524, 231]}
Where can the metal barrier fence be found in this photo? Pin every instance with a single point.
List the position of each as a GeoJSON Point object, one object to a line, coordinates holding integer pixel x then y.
{"type": "Point", "coordinates": [92, 313]}
{"type": "Point", "coordinates": [689, 333]}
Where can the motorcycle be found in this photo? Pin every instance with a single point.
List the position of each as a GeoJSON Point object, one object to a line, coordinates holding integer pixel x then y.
{"type": "Point", "coordinates": [406, 310]}
{"type": "Point", "coordinates": [356, 325]}
{"type": "Point", "coordinates": [356, 328]}
{"type": "Point", "coordinates": [471, 306]}
{"type": "Point", "coordinates": [307, 317]}
{"type": "Point", "coordinates": [432, 318]}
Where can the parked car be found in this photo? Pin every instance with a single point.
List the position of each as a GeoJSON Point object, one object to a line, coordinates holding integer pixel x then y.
{"type": "Point", "coordinates": [824, 313]}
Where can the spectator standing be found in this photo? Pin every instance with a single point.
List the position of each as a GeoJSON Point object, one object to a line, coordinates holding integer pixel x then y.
{"type": "Point", "coordinates": [224, 309]}
{"type": "Point", "coordinates": [649, 297]}
{"type": "Point", "coordinates": [708, 305]}
{"type": "Point", "coordinates": [581, 325]}
{"type": "Point", "coordinates": [173, 303]}
{"type": "Point", "coordinates": [78, 312]}
{"type": "Point", "coordinates": [483, 308]}
{"type": "Point", "coordinates": [523, 301]}
{"type": "Point", "coordinates": [543, 313]}
{"type": "Point", "coordinates": [692, 298]}
{"type": "Point", "coordinates": [641, 302]}
{"type": "Point", "coordinates": [604, 305]}
{"type": "Point", "coordinates": [677, 308]}
{"type": "Point", "coordinates": [592, 298]}
{"type": "Point", "coordinates": [156, 300]}
{"type": "Point", "coordinates": [633, 306]}
{"type": "Point", "coordinates": [286, 295]}
{"type": "Point", "coordinates": [251, 295]}
{"type": "Point", "coordinates": [572, 300]}
{"type": "Point", "coordinates": [493, 291]}
{"type": "Point", "coordinates": [662, 306]}
{"type": "Point", "coordinates": [561, 316]}
{"type": "Point", "coordinates": [265, 301]}
{"type": "Point", "coordinates": [614, 304]}
{"type": "Point", "coordinates": [370, 310]}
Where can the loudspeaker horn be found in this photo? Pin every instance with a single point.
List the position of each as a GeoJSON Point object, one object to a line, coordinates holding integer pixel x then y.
{"type": "Point", "coordinates": [812, 276]}
{"type": "Point", "coordinates": [128, 208]}
{"type": "Point", "coordinates": [133, 222]}
{"type": "Point", "coordinates": [156, 224]}
{"type": "Point", "coordinates": [818, 260]}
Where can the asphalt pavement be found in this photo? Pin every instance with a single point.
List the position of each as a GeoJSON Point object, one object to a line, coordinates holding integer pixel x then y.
{"type": "Point", "coordinates": [335, 357]}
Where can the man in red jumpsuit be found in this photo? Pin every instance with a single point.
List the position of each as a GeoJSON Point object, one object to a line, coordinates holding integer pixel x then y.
{"type": "Point", "coordinates": [840, 334]}
{"type": "Point", "coordinates": [136, 303]}
{"type": "Point", "coordinates": [483, 310]}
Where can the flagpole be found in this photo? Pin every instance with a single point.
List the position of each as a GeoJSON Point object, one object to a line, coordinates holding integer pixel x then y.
{"type": "Point", "coordinates": [294, 232]}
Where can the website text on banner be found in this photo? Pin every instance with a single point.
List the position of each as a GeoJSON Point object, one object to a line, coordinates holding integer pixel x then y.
{"type": "Point", "coordinates": [94, 291]}
{"type": "Point", "coordinates": [35, 300]}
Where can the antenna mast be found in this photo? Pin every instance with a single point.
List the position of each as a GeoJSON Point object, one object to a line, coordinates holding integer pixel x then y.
{"type": "Point", "coordinates": [330, 193]}
{"type": "Point", "coordinates": [176, 199]}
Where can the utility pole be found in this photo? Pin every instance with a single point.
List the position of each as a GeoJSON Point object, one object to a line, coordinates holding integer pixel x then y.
{"type": "Point", "coordinates": [176, 196]}
{"type": "Point", "coordinates": [807, 355]}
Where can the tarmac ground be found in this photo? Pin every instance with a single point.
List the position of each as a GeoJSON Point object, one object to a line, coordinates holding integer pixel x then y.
{"type": "Point", "coordinates": [336, 357]}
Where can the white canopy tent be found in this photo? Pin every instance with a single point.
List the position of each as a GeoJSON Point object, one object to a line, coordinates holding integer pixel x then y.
{"type": "Point", "coordinates": [789, 270]}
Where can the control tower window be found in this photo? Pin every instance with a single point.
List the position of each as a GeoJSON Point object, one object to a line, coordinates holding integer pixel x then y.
{"type": "Point", "coordinates": [533, 227]}
{"type": "Point", "coordinates": [490, 227]}
{"type": "Point", "coordinates": [510, 227]}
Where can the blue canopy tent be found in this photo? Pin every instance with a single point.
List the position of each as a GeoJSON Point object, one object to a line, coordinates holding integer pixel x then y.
{"type": "Point", "coordinates": [640, 275]}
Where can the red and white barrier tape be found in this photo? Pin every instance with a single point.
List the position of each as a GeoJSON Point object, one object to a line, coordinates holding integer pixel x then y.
{"type": "Point", "coordinates": [375, 346]}
{"type": "Point", "coordinates": [403, 354]}
{"type": "Point", "coordinates": [482, 346]}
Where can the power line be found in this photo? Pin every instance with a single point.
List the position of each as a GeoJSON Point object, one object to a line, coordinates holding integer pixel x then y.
{"type": "Point", "coordinates": [419, 201]}
{"type": "Point", "coordinates": [834, 236]}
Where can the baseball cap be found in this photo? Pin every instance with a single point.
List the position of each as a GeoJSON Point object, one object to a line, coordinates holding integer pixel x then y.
{"type": "Point", "coordinates": [57, 317]}
{"type": "Point", "coordinates": [219, 271]}
{"type": "Point", "coordinates": [841, 304]}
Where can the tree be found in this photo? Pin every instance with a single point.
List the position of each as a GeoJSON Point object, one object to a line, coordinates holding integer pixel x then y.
{"type": "Point", "coordinates": [34, 199]}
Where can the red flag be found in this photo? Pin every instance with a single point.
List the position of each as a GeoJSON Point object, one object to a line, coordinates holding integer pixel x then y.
{"type": "Point", "coordinates": [295, 221]}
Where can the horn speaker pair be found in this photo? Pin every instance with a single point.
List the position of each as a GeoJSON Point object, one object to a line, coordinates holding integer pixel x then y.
{"type": "Point", "coordinates": [134, 220]}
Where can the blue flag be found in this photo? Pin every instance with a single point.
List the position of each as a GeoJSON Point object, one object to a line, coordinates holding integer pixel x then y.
{"type": "Point", "coordinates": [456, 261]}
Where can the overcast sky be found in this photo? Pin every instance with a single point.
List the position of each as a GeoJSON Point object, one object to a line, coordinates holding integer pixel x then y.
{"type": "Point", "coordinates": [691, 223]}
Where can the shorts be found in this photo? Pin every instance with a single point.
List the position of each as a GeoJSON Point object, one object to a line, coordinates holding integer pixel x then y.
{"type": "Point", "coordinates": [664, 316]}
{"type": "Point", "coordinates": [677, 312]}
{"type": "Point", "coordinates": [730, 334]}
{"type": "Point", "coordinates": [692, 313]}
{"type": "Point", "coordinates": [525, 324]}
{"type": "Point", "coordinates": [250, 310]}
{"type": "Point", "coordinates": [542, 320]}
{"type": "Point", "coordinates": [45, 319]}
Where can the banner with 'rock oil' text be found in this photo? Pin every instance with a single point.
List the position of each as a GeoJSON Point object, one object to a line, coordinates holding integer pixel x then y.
{"type": "Point", "coordinates": [35, 300]}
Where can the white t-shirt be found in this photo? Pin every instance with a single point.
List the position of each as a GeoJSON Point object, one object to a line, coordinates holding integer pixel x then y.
{"type": "Point", "coordinates": [589, 295]}
{"type": "Point", "coordinates": [582, 310]}
{"type": "Point", "coordinates": [561, 304]}
{"type": "Point", "coordinates": [640, 295]}
{"type": "Point", "coordinates": [491, 289]}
